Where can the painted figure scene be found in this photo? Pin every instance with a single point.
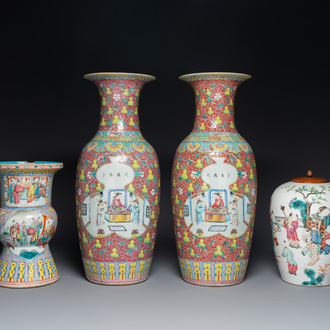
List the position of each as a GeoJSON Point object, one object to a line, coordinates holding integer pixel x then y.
{"type": "Point", "coordinates": [25, 191]}
{"type": "Point", "coordinates": [26, 229]}
{"type": "Point", "coordinates": [116, 211]}
{"type": "Point", "coordinates": [301, 234]}
{"type": "Point", "coordinates": [217, 211]}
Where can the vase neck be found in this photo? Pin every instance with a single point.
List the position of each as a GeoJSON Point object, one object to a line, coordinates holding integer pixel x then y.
{"type": "Point", "coordinates": [119, 106]}
{"type": "Point", "coordinates": [26, 189]}
{"type": "Point", "coordinates": [215, 105]}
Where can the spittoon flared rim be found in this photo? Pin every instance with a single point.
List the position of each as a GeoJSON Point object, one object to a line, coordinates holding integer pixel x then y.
{"type": "Point", "coordinates": [44, 165]}
{"type": "Point", "coordinates": [215, 76]}
{"type": "Point", "coordinates": [119, 75]}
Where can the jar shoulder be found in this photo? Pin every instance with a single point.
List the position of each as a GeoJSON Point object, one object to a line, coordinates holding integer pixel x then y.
{"type": "Point", "coordinates": [287, 189]}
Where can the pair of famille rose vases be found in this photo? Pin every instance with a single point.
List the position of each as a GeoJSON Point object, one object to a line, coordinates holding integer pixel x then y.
{"type": "Point", "coordinates": [213, 187]}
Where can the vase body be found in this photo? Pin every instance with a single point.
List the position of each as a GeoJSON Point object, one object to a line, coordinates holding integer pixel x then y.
{"type": "Point", "coordinates": [118, 188]}
{"type": "Point", "coordinates": [27, 224]}
{"type": "Point", "coordinates": [214, 187]}
{"type": "Point", "coordinates": [300, 218]}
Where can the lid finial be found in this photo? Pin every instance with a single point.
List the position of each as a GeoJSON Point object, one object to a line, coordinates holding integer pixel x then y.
{"type": "Point", "coordinates": [310, 178]}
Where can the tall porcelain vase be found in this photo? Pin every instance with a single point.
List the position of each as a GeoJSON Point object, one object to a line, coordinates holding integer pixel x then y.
{"type": "Point", "coordinates": [118, 187]}
{"type": "Point", "coordinates": [214, 187]}
{"type": "Point", "coordinates": [27, 224]}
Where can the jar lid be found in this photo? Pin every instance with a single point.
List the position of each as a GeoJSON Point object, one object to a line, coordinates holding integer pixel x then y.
{"type": "Point", "coordinates": [310, 179]}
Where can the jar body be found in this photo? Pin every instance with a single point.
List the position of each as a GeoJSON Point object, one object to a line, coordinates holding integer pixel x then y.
{"type": "Point", "coordinates": [27, 224]}
{"type": "Point", "coordinates": [214, 197]}
{"type": "Point", "coordinates": [118, 194]}
{"type": "Point", "coordinates": [300, 216]}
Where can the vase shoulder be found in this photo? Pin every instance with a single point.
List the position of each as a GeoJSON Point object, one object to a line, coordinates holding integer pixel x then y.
{"type": "Point", "coordinates": [112, 145]}
{"type": "Point", "coordinates": [210, 142]}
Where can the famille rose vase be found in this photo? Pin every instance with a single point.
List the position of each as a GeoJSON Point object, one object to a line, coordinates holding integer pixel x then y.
{"type": "Point", "coordinates": [300, 219]}
{"type": "Point", "coordinates": [27, 224]}
{"type": "Point", "coordinates": [118, 187]}
{"type": "Point", "coordinates": [214, 187]}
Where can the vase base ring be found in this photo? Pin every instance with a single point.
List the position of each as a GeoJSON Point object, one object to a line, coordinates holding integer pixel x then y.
{"type": "Point", "coordinates": [218, 284]}
{"type": "Point", "coordinates": [306, 286]}
{"type": "Point", "coordinates": [117, 283]}
{"type": "Point", "coordinates": [27, 285]}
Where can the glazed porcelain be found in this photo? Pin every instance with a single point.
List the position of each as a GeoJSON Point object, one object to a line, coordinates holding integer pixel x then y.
{"type": "Point", "coordinates": [27, 224]}
{"type": "Point", "coordinates": [214, 187]}
{"type": "Point", "coordinates": [118, 187]}
{"type": "Point", "coordinates": [300, 218]}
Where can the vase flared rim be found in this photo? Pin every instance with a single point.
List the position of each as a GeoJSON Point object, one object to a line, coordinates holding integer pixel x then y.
{"type": "Point", "coordinates": [215, 76]}
{"type": "Point", "coordinates": [119, 75]}
{"type": "Point", "coordinates": [37, 165]}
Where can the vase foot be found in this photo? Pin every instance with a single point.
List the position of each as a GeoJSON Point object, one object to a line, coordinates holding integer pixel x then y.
{"type": "Point", "coordinates": [213, 273]}
{"type": "Point", "coordinates": [117, 273]}
{"type": "Point", "coordinates": [218, 284]}
{"type": "Point", "coordinates": [28, 285]}
{"type": "Point", "coordinates": [306, 286]}
{"type": "Point", "coordinates": [17, 272]}
{"type": "Point", "coordinates": [117, 283]}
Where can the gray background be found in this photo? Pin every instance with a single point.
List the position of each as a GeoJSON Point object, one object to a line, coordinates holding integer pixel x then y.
{"type": "Point", "coordinates": [49, 112]}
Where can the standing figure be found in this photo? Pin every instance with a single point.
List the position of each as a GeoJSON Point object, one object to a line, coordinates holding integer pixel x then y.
{"type": "Point", "coordinates": [17, 190]}
{"type": "Point", "coordinates": [234, 212]}
{"type": "Point", "coordinates": [310, 248]}
{"type": "Point", "coordinates": [292, 265]}
{"type": "Point", "coordinates": [37, 189]}
{"type": "Point", "coordinates": [314, 227]}
{"type": "Point", "coordinates": [325, 246]}
{"type": "Point", "coordinates": [23, 233]}
{"type": "Point", "coordinates": [33, 232]}
{"type": "Point", "coordinates": [101, 208]}
{"type": "Point", "coordinates": [291, 225]}
{"type": "Point", "coordinates": [199, 210]}
{"type": "Point", "coordinates": [275, 228]}
{"type": "Point", "coordinates": [135, 209]}
{"type": "Point", "coordinates": [31, 190]}
{"type": "Point", "coordinates": [10, 192]}
{"type": "Point", "coordinates": [42, 190]}
{"type": "Point", "coordinates": [14, 232]}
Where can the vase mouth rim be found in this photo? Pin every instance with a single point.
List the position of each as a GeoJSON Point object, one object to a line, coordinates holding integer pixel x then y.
{"type": "Point", "coordinates": [118, 75]}
{"type": "Point", "coordinates": [30, 165]}
{"type": "Point", "coordinates": [215, 76]}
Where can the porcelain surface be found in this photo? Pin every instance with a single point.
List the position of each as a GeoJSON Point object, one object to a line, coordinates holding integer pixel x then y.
{"type": "Point", "coordinates": [118, 187]}
{"type": "Point", "coordinates": [300, 218]}
{"type": "Point", "coordinates": [214, 187]}
{"type": "Point", "coordinates": [27, 224]}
